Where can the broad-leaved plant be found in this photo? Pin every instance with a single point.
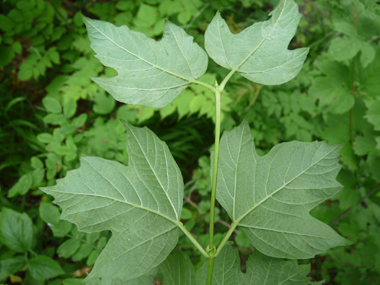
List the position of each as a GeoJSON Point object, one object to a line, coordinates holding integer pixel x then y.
{"type": "Point", "coordinates": [268, 197]}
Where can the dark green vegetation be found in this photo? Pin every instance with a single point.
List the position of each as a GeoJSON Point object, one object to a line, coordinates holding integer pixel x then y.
{"type": "Point", "coordinates": [52, 114]}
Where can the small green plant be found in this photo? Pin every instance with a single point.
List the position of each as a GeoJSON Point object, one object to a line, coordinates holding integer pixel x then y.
{"type": "Point", "coordinates": [267, 197]}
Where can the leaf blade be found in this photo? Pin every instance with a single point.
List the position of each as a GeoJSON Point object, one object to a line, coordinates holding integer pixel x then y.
{"type": "Point", "coordinates": [270, 197]}
{"type": "Point", "coordinates": [153, 76]}
{"type": "Point", "coordinates": [177, 269]}
{"type": "Point", "coordinates": [140, 204]}
{"type": "Point", "coordinates": [261, 270]}
{"type": "Point", "coordinates": [259, 52]}
{"type": "Point", "coordinates": [16, 230]}
{"type": "Point", "coordinates": [266, 270]}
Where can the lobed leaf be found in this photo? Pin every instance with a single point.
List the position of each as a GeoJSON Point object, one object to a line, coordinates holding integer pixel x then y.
{"type": "Point", "coordinates": [259, 53]}
{"type": "Point", "coordinates": [141, 204]}
{"type": "Point", "coordinates": [150, 73]}
{"type": "Point", "coordinates": [177, 269]}
{"type": "Point", "coordinates": [373, 114]}
{"type": "Point", "coordinates": [270, 197]}
{"type": "Point", "coordinates": [147, 279]}
{"type": "Point", "coordinates": [260, 269]}
{"type": "Point", "coordinates": [266, 270]}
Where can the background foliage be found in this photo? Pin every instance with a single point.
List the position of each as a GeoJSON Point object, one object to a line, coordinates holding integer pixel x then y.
{"type": "Point", "coordinates": [52, 113]}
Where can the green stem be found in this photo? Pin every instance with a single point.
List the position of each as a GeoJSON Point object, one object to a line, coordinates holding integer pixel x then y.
{"type": "Point", "coordinates": [193, 240]}
{"type": "Point", "coordinates": [32, 252]}
{"type": "Point", "coordinates": [211, 246]}
{"type": "Point", "coordinates": [225, 238]}
{"type": "Point", "coordinates": [352, 94]}
{"type": "Point", "coordinates": [225, 80]}
{"type": "Point", "coordinates": [212, 88]}
{"type": "Point", "coordinates": [210, 268]}
{"type": "Point", "coordinates": [353, 85]}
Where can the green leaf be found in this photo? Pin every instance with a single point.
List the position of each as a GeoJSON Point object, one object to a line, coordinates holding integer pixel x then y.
{"type": "Point", "coordinates": [373, 114]}
{"type": "Point", "coordinates": [346, 28]}
{"type": "Point", "coordinates": [343, 49]}
{"type": "Point", "coordinates": [261, 270]}
{"type": "Point", "coordinates": [177, 269]}
{"type": "Point", "coordinates": [369, 77]}
{"type": "Point", "coordinates": [61, 229]}
{"type": "Point", "coordinates": [270, 197]}
{"type": "Point", "coordinates": [16, 230]}
{"type": "Point", "coordinates": [364, 144]}
{"type": "Point", "coordinates": [226, 268]}
{"type": "Point", "coordinates": [83, 252]}
{"type": "Point", "coordinates": [52, 105]}
{"type": "Point", "coordinates": [146, 15]}
{"type": "Point", "coordinates": [25, 5]}
{"type": "Point", "coordinates": [6, 24]}
{"type": "Point", "coordinates": [22, 186]}
{"type": "Point", "coordinates": [45, 138]}
{"type": "Point", "coordinates": [186, 214]}
{"type": "Point", "coordinates": [92, 258]}
{"type": "Point", "coordinates": [42, 267]}
{"type": "Point", "coordinates": [141, 204]}
{"type": "Point", "coordinates": [6, 55]}
{"type": "Point", "coordinates": [11, 266]}
{"type": "Point", "coordinates": [25, 74]}
{"type": "Point", "coordinates": [70, 108]}
{"type": "Point", "coordinates": [17, 47]}
{"type": "Point", "coordinates": [241, 240]}
{"type": "Point", "coordinates": [49, 213]}
{"type": "Point", "coordinates": [332, 95]}
{"type": "Point", "coordinates": [54, 119]}
{"type": "Point", "coordinates": [36, 163]}
{"type": "Point", "coordinates": [367, 54]}
{"type": "Point", "coordinates": [80, 120]}
{"type": "Point", "coordinates": [150, 73]}
{"type": "Point", "coordinates": [143, 280]}
{"type": "Point", "coordinates": [68, 248]}
{"type": "Point", "coordinates": [103, 104]}
{"type": "Point", "coordinates": [73, 281]}
{"type": "Point", "coordinates": [37, 177]}
{"type": "Point", "coordinates": [265, 270]}
{"type": "Point", "coordinates": [259, 53]}
{"type": "Point", "coordinates": [53, 55]}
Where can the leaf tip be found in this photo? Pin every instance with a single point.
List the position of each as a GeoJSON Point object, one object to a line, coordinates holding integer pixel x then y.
{"type": "Point", "coordinates": [348, 242]}
{"type": "Point", "coordinates": [86, 20]}
{"type": "Point", "coordinates": [126, 124]}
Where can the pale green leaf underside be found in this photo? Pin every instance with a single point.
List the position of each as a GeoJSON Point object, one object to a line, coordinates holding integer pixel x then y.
{"type": "Point", "coordinates": [226, 268]}
{"type": "Point", "coordinates": [141, 205]}
{"type": "Point", "coordinates": [259, 53]}
{"type": "Point", "coordinates": [143, 280]}
{"type": "Point", "coordinates": [147, 279]}
{"type": "Point", "coordinates": [266, 270]}
{"type": "Point", "coordinates": [150, 73]}
{"type": "Point", "coordinates": [261, 270]}
{"type": "Point", "coordinates": [270, 197]}
{"type": "Point", "coordinates": [177, 269]}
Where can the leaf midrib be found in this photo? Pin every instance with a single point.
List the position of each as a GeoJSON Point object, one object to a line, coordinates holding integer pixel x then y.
{"type": "Point", "coordinates": [291, 276]}
{"type": "Point", "coordinates": [137, 245]}
{"type": "Point", "coordinates": [279, 189]}
{"type": "Point", "coordinates": [117, 200]}
{"type": "Point", "coordinates": [139, 57]}
{"type": "Point", "coordinates": [261, 42]}
{"type": "Point", "coordinates": [236, 173]}
{"type": "Point", "coordinates": [154, 172]}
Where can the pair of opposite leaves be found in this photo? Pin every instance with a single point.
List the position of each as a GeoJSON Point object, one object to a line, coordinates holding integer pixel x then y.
{"type": "Point", "coordinates": [268, 197]}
